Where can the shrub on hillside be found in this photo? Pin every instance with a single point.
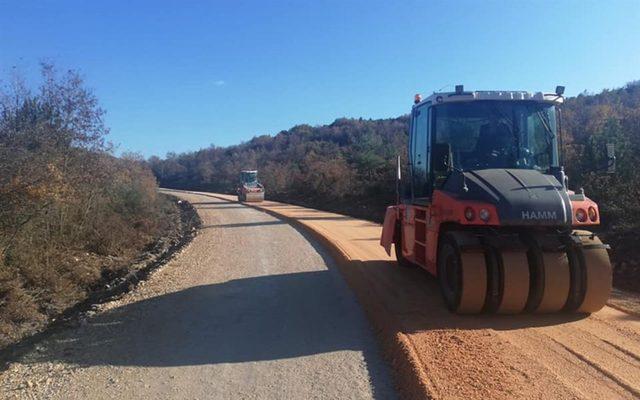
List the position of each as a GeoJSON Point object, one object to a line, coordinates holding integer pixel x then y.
{"type": "Point", "coordinates": [69, 210]}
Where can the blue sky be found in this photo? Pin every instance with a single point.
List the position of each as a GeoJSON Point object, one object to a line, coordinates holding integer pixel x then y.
{"type": "Point", "coordinates": [179, 76]}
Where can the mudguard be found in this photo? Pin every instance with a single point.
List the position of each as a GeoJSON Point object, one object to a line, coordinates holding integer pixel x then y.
{"type": "Point", "coordinates": [388, 228]}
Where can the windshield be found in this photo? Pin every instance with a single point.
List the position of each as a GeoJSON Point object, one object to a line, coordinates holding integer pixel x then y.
{"type": "Point", "coordinates": [498, 134]}
{"type": "Point", "coordinates": [249, 178]}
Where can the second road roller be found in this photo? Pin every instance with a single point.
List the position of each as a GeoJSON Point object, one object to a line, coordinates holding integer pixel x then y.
{"type": "Point", "coordinates": [249, 189]}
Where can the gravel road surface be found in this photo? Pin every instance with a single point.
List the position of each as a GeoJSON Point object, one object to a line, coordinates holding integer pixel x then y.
{"type": "Point", "coordinates": [250, 309]}
{"type": "Point", "coordinates": [557, 356]}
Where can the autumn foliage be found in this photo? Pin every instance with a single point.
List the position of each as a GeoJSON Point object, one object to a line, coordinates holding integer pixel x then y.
{"type": "Point", "coordinates": [348, 166]}
{"type": "Point", "coordinates": [69, 210]}
{"type": "Point", "coordinates": [592, 121]}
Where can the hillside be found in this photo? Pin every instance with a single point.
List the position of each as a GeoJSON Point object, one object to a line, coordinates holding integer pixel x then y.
{"type": "Point", "coordinates": [348, 166]}
{"type": "Point", "coordinates": [72, 216]}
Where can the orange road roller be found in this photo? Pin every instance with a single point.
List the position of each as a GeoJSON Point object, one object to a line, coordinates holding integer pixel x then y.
{"type": "Point", "coordinates": [487, 209]}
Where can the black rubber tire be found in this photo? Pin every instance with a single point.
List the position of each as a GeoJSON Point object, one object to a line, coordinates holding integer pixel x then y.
{"type": "Point", "coordinates": [462, 275]}
{"type": "Point", "coordinates": [549, 277]}
{"type": "Point", "coordinates": [494, 282]}
{"type": "Point", "coordinates": [578, 281]}
{"type": "Point", "coordinates": [536, 278]}
{"type": "Point", "coordinates": [499, 299]}
{"type": "Point", "coordinates": [449, 273]}
{"type": "Point", "coordinates": [397, 246]}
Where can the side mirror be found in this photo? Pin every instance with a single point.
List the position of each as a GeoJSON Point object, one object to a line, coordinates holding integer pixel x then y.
{"type": "Point", "coordinates": [611, 158]}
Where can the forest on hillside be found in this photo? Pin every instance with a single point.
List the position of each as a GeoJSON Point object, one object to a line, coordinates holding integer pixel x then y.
{"type": "Point", "coordinates": [349, 165]}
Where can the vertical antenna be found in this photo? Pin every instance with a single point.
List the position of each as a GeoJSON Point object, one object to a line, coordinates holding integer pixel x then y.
{"type": "Point", "coordinates": [398, 178]}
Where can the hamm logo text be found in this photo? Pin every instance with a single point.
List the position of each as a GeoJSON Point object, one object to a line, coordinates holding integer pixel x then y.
{"type": "Point", "coordinates": [539, 215]}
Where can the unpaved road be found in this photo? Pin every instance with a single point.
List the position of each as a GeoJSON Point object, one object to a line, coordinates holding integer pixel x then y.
{"type": "Point", "coordinates": [479, 357]}
{"type": "Point", "coordinates": [250, 309]}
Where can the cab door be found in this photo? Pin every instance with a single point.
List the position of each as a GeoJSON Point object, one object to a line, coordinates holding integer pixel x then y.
{"type": "Point", "coordinates": [414, 216]}
{"type": "Point", "coordinates": [420, 154]}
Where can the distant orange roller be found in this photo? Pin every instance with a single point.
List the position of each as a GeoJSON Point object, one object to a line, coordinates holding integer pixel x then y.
{"type": "Point", "coordinates": [250, 190]}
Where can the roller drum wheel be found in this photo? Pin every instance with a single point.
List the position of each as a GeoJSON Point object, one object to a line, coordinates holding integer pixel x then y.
{"type": "Point", "coordinates": [597, 273]}
{"type": "Point", "coordinates": [474, 283]}
{"type": "Point", "coordinates": [254, 197]}
{"type": "Point", "coordinates": [462, 277]}
{"type": "Point", "coordinates": [514, 283]}
{"type": "Point", "coordinates": [555, 280]}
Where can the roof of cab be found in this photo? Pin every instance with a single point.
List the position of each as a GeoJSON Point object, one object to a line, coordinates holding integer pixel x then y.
{"type": "Point", "coordinates": [503, 95]}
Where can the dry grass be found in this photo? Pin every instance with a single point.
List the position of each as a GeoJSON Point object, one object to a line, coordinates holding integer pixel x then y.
{"type": "Point", "coordinates": [70, 212]}
{"type": "Point", "coordinates": [40, 279]}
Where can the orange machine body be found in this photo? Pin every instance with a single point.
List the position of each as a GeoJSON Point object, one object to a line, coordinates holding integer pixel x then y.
{"type": "Point", "coordinates": [421, 225]}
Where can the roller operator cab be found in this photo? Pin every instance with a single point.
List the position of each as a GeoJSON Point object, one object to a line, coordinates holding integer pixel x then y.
{"type": "Point", "coordinates": [486, 207]}
{"type": "Point", "coordinates": [249, 189]}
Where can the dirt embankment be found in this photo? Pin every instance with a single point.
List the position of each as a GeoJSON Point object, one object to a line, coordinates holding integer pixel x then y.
{"type": "Point", "coordinates": [119, 275]}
